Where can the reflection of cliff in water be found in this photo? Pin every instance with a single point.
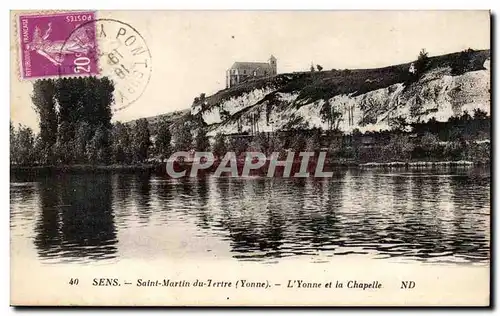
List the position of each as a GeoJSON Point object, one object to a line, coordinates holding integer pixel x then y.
{"type": "Point", "coordinates": [408, 215]}
{"type": "Point", "coordinates": [76, 219]}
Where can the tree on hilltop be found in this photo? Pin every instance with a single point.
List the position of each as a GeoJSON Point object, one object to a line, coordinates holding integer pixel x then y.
{"type": "Point", "coordinates": [422, 62]}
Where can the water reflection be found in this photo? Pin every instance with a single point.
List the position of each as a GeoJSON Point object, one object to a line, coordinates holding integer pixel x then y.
{"type": "Point", "coordinates": [421, 216]}
{"type": "Point", "coordinates": [76, 218]}
{"type": "Point", "coordinates": [141, 194]}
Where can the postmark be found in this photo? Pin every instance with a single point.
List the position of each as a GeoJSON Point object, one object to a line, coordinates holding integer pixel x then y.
{"type": "Point", "coordinates": [122, 55]}
{"type": "Point", "coordinates": [48, 41]}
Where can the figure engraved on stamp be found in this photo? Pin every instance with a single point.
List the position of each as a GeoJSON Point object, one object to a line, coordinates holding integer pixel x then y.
{"type": "Point", "coordinates": [55, 51]}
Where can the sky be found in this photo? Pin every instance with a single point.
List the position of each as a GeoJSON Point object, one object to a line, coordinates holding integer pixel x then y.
{"type": "Point", "coordinates": [191, 50]}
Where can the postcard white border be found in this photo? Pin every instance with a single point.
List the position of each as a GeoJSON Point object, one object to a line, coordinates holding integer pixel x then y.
{"type": "Point", "coordinates": [212, 5]}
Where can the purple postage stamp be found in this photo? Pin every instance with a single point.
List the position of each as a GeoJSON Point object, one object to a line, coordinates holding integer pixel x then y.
{"type": "Point", "coordinates": [49, 41]}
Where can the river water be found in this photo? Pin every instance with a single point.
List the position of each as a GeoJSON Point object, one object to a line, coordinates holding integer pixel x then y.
{"type": "Point", "coordinates": [431, 216]}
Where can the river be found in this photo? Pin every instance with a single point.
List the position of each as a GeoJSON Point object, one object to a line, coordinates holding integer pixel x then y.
{"type": "Point", "coordinates": [431, 216]}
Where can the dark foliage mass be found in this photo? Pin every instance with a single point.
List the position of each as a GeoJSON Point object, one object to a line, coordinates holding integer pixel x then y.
{"type": "Point", "coordinates": [74, 120]}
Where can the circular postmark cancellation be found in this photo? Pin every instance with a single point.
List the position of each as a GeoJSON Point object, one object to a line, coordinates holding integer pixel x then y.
{"type": "Point", "coordinates": [119, 53]}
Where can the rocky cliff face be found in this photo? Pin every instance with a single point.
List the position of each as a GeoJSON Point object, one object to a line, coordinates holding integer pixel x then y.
{"type": "Point", "coordinates": [367, 100]}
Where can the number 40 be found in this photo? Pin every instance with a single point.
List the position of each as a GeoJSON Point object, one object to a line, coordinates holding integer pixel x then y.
{"type": "Point", "coordinates": [73, 281]}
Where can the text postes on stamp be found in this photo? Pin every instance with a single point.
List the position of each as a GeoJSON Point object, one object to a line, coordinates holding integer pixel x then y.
{"type": "Point", "coordinates": [122, 55]}
{"type": "Point", "coordinates": [50, 40]}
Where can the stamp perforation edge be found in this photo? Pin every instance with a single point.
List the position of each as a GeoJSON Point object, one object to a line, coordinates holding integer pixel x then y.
{"type": "Point", "coordinates": [17, 42]}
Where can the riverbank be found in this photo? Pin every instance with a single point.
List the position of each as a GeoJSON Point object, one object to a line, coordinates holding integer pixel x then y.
{"type": "Point", "coordinates": [422, 164]}
{"type": "Point", "coordinates": [179, 166]}
{"type": "Point", "coordinates": [84, 168]}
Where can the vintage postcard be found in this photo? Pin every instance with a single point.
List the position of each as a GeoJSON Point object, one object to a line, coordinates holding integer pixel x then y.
{"type": "Point", "coordinates": [250, 158]}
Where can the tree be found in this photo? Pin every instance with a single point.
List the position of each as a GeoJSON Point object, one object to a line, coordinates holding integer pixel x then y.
{"type": "Point", "coordinates": [480, 114]}
{"type": "Point", "coordinates": [43, 154]}
{"type": "Point", "coordinates": [120, 143]}
{"type": "Point", "coordinates": [313, 143]}
{"type": "Point", "coordinates": [200, 103]}
{"type": "Point", "coordinates": [219, 147]}
{"type": "Point", "coordinates": [183, 138]}
{"type": "Point", "coordinates": [239, 145]}
{"type": "Point", "coordinates": [64, 146]}
{"type": "Point", "coordinates": [24, 146]}
{"type": "Point", "coordinates": [299, 142]}
{"type": "Point", "coordinates": [202, 142]}
{"type": "Point", "coordinates": [224, 114]}
{"type": "Point", "coordinates": [429, 143]}
{"type": "Point", "coordinates": [44, 101]}
{"type": "Point", "coordinates": [98, 147]}
{"type": "Point", "coordinates": [69, 98]}
{"type": "Point", "coordinates": [86, 99]}
{"type": "Point", "coordinates": [260, 143]}
{"type": "Point", "coordinates": [163, 140]}
{"type": "Point", "coordinates": [463, 63]}
{"type": "Point", "coordinates": [319, 67]}
{"type": "Point", "coordinates": [83, 135]}
{"type": "Point", "coordinates": [13, 144]}
{"type": "Point", "coordinates": [465, 116]}
{"type": "Point", "coordinates": [356, 132]}
{"type": "Point", "coordinates": [335, 147]}
{"type": "Point", "coordinates": [454, 150]}
{"type": "Point", "coordinates": [330, 116]}
{"type": "Point", "coordinates": [312, 68]}
{"type": "Point", "coordinates": [141, 140]}
{"type": "Point", "coordinates": [97, 98]}
{"type": "Point", "coordinates": [422, 63]}
{"type": "Point", "coordinates": [399, 147]}
{"type": "Point", "coordinates": [82, 99]}
{"type": "Point", "coordinates": [276, 145]}
{"type": "Point", "coordinates": [399, 123]}
{"type": "Point", "coordinates": [70, 110]}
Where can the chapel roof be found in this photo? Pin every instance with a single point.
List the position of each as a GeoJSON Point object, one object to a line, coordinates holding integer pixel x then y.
{"type": "Point", "coordinates": [250, 65]}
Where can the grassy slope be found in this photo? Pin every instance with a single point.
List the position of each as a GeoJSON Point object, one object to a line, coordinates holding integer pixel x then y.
{"type": "Point", "coordinates": [171, 117]}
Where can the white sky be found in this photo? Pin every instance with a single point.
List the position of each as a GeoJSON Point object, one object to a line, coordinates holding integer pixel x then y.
{"type": "Point", "coordinates": [192, 49]}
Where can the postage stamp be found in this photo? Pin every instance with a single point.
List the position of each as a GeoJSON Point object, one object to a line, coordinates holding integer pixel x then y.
{"type": "Point", "coordinates": [75, 44]}
{"type": "Point", "coordinates": [48, 41]}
